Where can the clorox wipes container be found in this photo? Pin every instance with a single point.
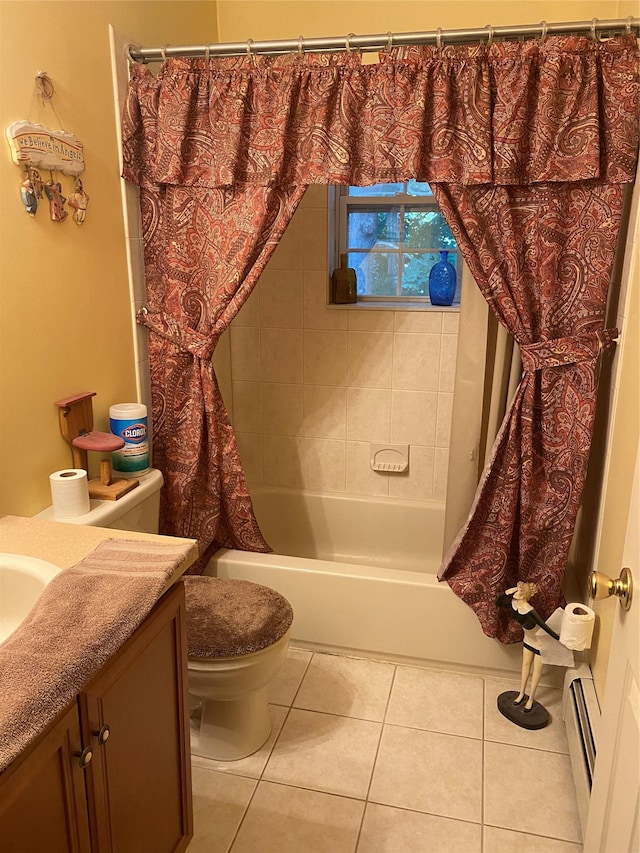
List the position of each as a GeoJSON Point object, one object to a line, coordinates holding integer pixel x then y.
{"type": "Point", "coordinates": [129, 422]}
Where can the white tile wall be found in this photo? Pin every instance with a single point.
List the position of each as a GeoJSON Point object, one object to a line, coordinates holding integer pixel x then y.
{"type": "Point", "coordinates": [312, 385]}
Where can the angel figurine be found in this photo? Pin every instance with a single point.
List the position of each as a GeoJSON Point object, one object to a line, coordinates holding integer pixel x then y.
{"type": "Point", "coordinates": [37, 181]}
{"type": "Point", "coordinates": [53, 191]}
{"type": "Point", "coordinates": [28, 194]}
{"type": "Point", "coordinates": [79, 201]}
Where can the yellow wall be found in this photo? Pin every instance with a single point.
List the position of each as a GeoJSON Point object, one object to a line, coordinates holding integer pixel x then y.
{"type": "Point", "coordinates": [65, 322]}
{"type": "Point", "coordinates": [239, 20]}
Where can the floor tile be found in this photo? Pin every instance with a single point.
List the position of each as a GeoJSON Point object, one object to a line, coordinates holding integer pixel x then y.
{"type": "Point", "coordinates": [281, 819]}
{"type": "Point", "coordinates": [444, 702]}
{"type": "Point", "coordinates": [389, 830]}
{"type": "Point", "coordinates": [325, 752]}
{"type": "Point", "coordinates": [505, 841]}
{"type": "Point", "coordinates": [252, 765]}
{"type": "Point", "coordinates": [529, 790]}
{"type": "Point", "coordinates": [429, 772]}
{"type": "Point", "coordinates": [342, 685]}
{"type": "Point", "coordinates": [284, 686]}
{"type": "Point", "coordinates": [219, 802]}
{"type": "Point", "coordinates": [497, 728]}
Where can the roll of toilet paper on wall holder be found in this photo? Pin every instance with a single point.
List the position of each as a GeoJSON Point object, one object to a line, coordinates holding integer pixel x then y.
{"type": "Point", "coordinates": [69, 493]}
{"type": "Point", "coordinates": [577, 626]}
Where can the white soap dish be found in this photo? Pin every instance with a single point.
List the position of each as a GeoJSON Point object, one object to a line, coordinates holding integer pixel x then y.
{"type": "Point", "coordinates": [390, 458]}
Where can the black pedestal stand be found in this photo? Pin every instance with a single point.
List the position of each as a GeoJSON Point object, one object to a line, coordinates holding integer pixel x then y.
{"type": "Point", "coordinates": [536, 718]}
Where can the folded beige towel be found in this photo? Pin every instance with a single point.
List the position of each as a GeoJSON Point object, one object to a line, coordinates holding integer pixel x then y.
{"type": "Point", "coordinates": [82, 618]}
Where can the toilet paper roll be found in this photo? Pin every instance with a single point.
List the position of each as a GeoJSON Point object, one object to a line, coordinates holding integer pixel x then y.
{"type": "Point", "coordinates": [577, 626]}
{"type": "Point", "coordinates": [69, 493]}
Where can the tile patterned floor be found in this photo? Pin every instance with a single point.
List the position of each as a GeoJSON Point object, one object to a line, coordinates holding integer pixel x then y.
{"type": "Point", "coordinates": [370, 757]}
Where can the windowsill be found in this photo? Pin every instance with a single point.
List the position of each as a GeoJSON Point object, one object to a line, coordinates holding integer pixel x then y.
{"type": "Point", "coordinates": [396, 306]}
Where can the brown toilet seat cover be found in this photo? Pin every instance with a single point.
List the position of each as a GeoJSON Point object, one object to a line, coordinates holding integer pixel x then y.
{"type": "Point", "coordinates": [229, 618]}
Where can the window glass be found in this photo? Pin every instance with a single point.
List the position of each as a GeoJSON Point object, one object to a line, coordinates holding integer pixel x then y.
{"type": "Point", "coordinates": [426, 230]}
{"type": "Point", "coordinates": [377, 189]}
{"type": "Point", "coordinates": [393, 235]}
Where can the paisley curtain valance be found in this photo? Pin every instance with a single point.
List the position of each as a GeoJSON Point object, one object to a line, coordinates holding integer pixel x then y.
{"type": "Point", "coordinates": [564, 109]}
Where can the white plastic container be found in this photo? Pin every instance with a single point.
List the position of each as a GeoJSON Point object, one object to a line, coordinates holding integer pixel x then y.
{"type": "Point", "coordinates": [129, 422]}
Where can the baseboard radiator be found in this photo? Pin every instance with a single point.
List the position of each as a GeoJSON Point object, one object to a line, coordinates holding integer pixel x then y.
{"type": "Point", "coordinates": [581, 714]}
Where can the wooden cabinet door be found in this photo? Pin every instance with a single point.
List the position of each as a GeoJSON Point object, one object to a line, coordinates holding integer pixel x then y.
{"type": "Point", "coordinates": [43, 806]}
{"type": "Point", "coordinates": [139, 782]}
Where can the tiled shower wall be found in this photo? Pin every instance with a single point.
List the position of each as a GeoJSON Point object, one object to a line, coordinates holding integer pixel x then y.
{"type": "Point", "coordinates": [309, 387]}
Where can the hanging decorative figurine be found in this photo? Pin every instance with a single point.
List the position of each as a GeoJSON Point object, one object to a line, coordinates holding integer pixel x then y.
{"type": "Point", "coordinates": [28, 193]}
{"type": "Point", "coordinates": [34, 146]}
{"type": "Point", "coordinates": [79, 201]}
{"type": "Point", "coordinates": [38, 184]}
{"type": "Point", "coordinates": [53, 191]}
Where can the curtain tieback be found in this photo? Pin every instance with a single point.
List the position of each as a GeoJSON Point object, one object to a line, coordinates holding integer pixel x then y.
{"type": "Point", "coordinates": [560, 351]}
{"type": "Point", "coordinates": [184, 338]}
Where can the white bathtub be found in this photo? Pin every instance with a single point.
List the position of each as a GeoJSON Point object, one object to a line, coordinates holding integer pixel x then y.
{"type": "Point", "coordinates": [22, 582]}
{"type": "Point", "coordinates": [360, 574]}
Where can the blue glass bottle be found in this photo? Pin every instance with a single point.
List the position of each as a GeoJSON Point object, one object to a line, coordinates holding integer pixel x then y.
{"type": "Point", "coordinates": [442, 281]}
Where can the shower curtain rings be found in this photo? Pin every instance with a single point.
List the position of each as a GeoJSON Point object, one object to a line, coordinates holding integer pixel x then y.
{"type": "Point", "coordinates": [628, 27]}
{"type": "Point", "coordinates": [347, 42]}
{"type": "Point", "coordinates": [543, 35]}
{"type": "Point", "coordinates": [389, 41]}
{"type": "Point", "coordinates": [594, 36]}
{"type": "Point", "coordinates": [206, 53]}
{"type": "Point", "coordinates": [439, 39]}
{"type": "Point", "coordinates": [250, 48]}
{"type": "Point", "coordinates": [490, 36]}
{"type": "Point", "coordinates": [300, 46]}
{"type": "Point", "coordinates": [163, 52]}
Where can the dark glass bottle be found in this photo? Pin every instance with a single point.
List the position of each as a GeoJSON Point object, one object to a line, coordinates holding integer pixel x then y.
{"type": "Point", "coordinates": [343, 283]}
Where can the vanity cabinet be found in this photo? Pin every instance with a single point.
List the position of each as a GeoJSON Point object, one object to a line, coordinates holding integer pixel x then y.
{"type": "Point", "coordinates": [130, 728]}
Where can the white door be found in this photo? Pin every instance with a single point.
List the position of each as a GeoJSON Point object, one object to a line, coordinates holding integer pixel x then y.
{"type": "Point", "coordinates": [613, 822]}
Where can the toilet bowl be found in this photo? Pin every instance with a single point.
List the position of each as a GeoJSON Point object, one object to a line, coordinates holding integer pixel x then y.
{"type": "Point", "coordinates": [237, 637]}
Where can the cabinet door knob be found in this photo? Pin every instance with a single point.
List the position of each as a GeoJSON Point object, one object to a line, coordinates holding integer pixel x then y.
{"type": "Point", "coordinates": [85, 756]}
{"type": "Point", "coordinates": [102, 735]}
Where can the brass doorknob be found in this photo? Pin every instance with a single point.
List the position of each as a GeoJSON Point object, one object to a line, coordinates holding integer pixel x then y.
{"type": "Point", "coordinates": [602, 586]}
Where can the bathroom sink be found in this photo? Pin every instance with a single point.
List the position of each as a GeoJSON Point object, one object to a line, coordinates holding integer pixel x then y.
{"type": "Point", "coordinates": [22, 581]}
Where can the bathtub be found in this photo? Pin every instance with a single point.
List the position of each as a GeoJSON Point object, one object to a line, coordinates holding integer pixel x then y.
{"type": "Point", "coordinates": [360, 574]}
{"type": "Point", "coordinates": [22, 582]}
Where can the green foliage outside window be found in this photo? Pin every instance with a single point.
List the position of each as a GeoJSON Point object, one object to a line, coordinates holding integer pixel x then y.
{"type": "Point", "coordinates": [393, 244]}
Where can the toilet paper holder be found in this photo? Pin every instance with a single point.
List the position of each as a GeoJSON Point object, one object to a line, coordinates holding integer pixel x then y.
{"type": "Point", "coordinates": [76, 426]}
{"type": "Point", "coordinates": [602, 586]}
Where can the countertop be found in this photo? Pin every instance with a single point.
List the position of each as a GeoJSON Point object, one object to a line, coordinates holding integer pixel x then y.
{"type": "Point", "coordinates": [81, 619]}
{"type": "Point", "coordinates": [65, 544]}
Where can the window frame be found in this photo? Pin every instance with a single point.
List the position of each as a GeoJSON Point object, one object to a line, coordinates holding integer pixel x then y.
{"type": "Point", "coordinates": [406, 202]}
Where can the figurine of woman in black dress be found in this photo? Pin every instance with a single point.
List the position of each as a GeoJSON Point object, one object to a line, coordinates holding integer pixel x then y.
{"type": "Point", "coordinates": [517, 598]}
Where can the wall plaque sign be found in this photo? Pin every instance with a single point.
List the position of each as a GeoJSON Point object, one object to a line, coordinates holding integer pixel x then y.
{"type": "Point", "coordinates": [39, 147]}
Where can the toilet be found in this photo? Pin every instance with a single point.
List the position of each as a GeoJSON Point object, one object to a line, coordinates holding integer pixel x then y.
{"type": "Point", "coordinates": [237, 637]}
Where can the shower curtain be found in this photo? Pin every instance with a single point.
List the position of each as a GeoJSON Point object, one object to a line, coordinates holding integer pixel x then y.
{"type": "Point", "coordinates": [527, 147]}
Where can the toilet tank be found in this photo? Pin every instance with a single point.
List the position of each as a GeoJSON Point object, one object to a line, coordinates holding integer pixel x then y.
{"type": "Point", "coordinates": [138, 510]}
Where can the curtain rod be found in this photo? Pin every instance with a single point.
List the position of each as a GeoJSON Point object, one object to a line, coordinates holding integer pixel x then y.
{"type": "Point", "coordinates": [596, 28]}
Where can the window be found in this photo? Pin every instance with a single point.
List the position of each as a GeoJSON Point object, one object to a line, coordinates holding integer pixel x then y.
{"type": "Point", "coordinates": [392, 235]}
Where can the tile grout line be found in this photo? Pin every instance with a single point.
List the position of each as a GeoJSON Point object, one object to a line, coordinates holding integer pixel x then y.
{"type": "Point", "coordinates": [375, 758]}
{"type": "Point", "coordinates": [260, 777]}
